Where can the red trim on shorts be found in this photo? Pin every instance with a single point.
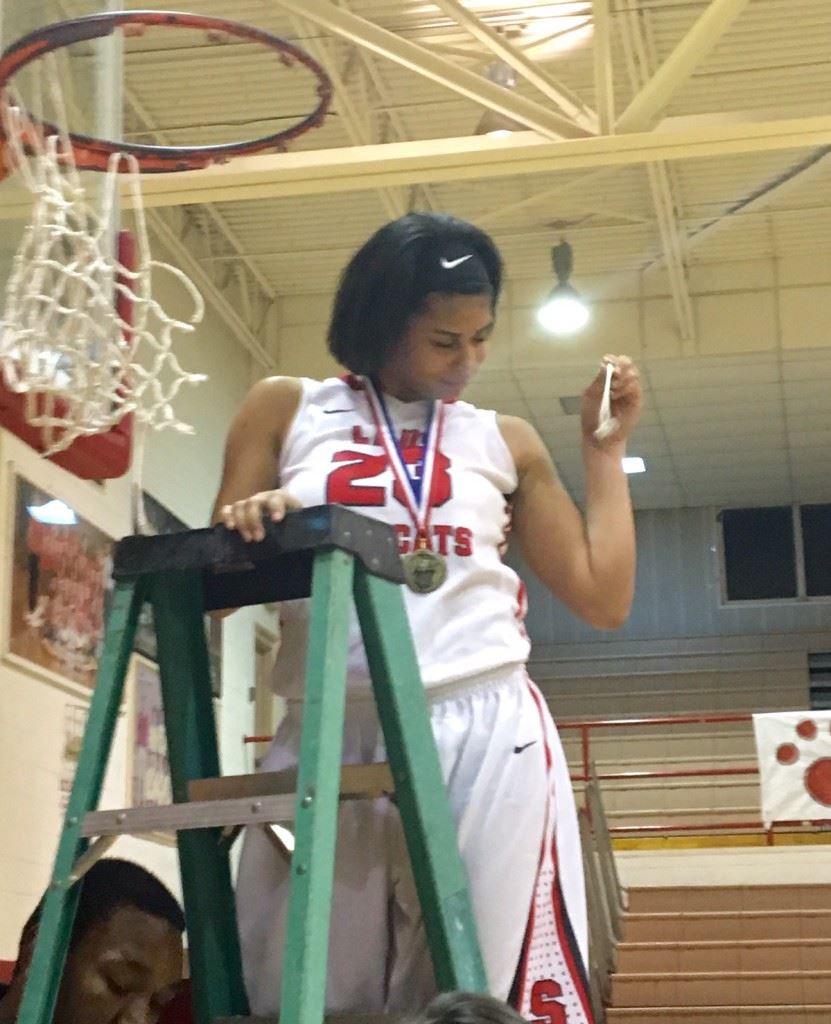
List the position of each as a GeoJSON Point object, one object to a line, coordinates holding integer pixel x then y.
{"type": "Point", "coordinates": [535, 693]}
{"type": "Point", "coordinates": [522, 968]}
{"type": "Point", "coordinates": [568, 943]}
{"type": "Point", "coordinates": [565, 933]}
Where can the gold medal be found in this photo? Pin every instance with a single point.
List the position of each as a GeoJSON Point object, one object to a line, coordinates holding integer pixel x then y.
{"type": "Point", "coordinates": [424, 570]}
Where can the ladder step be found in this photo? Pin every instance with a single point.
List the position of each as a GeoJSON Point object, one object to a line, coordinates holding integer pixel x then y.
{"type": "Point", "coordinates": [264, 810]}
{"type": "Point", "coordinates": [357, 781]}
{"type": "Point", "coordinates": [263, 798]}
{"type": "Point", "coordinates": [278, 568]}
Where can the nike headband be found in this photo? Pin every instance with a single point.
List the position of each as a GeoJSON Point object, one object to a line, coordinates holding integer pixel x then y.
{"type": "Point", "coordinates": [456, 271]}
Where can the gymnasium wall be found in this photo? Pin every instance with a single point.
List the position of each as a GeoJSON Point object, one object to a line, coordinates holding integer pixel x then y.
{"type": "Point", "coordinates": [181, 472]}
{"type": "Point", "coordinates": [682, 648]}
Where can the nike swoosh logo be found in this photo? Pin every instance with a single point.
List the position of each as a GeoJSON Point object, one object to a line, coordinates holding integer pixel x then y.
{"type": "Point", "coordinates": [525, 746]}
{"type": "Point", "coordinates": [329, 412]}
{"type": "Point", "coordinates": [450, 264]}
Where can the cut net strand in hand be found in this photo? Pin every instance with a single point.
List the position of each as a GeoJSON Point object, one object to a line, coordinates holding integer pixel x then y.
{"type": "Point", "coordinates": [607, 423]}
{"type": "Point", "coordinates": [65, 343]}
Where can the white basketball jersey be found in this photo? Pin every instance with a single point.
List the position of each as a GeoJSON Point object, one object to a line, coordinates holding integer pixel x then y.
{"type": "Point", "coordinates": [474, 622]}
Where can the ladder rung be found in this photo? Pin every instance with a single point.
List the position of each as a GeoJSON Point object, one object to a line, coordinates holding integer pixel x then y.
{"type": "Point", "coordinates": [264, 810]}
{"type": "Point", "coordinates": [260, 799]}
{"type": "Point", "coordinates": [357, 781]}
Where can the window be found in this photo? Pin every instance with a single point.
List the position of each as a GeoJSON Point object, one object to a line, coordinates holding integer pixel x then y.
{"type": "Point", "coordinates": [778, 553]}
{"type": "Point", "coordinates": [759, 556]}
{"type": "Point", "coordinates": [816, 543]}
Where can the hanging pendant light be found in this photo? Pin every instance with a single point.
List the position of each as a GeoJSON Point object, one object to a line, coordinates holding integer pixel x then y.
{"type": "Point", "coordinates": [564, 311]}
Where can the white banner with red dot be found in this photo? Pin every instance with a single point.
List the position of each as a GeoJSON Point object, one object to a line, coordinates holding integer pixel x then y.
{"type": "Point", "coordinates": [794, 751]}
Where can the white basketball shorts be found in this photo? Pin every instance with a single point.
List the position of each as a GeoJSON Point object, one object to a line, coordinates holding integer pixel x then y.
{"type": "Point", "coordinates": [512, 801]}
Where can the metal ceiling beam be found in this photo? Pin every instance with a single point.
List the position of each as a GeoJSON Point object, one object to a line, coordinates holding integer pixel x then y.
{"type": "Point", "coordinates": [470, 158]}
{"type": "Point", "coordinates": [356, 128]}
{"type": "Point", "coordinates": [664, 199]}
{"type": "Point", "coordinates": [713, 119]}
{"type": "Point", "coordinates": [372, 75]}
{"type": "Point", "coordinates": [562, 97]}
{"type": "Point", "coordinates": [499, 213]}
{"type": "Point", "coordinates": [139, 110]}
{"type": "Point", "coordinates": [430, 65]}
{"type": "Point", "coordinates": [798, 176]}
{"type": "Point", "coordinates": [187, 262]}
{"type": "Point", "coordinates": [673, 248]}
{"type": "Point", "coordinates": [604, 90]}
{"type": "Point", "coordinates": [242, 328]}
{"type": "Point", "coordinates": [679, 66]}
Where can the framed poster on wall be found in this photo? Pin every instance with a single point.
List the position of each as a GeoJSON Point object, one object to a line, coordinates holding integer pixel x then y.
{"type": "Point", "coordinates": [150, 771]}
{"type": "Point", "coordinates": [59, 586]}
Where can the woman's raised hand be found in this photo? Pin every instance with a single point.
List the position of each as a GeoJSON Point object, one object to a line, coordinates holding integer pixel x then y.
{"type": "Point", "coordinates": [625, 400]}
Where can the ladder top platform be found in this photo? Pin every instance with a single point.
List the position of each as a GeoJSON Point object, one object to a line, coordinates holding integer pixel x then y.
{"type": "Point", "coordinates": [278, 568]}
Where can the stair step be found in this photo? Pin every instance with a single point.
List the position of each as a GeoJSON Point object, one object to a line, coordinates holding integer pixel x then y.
{"type": "Point", "coordinates": [709, 925]}
{"type": "Point", "coordinates": [665, 899]}
{"type": "Point", "coordinates": [742, 955]}
{"type": "Point", "coordinates": [800, 1013]}
{"type": "Point", "coordinates": [722, 988]}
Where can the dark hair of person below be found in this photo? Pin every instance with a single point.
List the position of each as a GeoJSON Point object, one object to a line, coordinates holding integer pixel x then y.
{"type": "Point", "coordinates": [467, 1008]}
{"type": "Point", "coordinates": [383, 285]}
{"type": "Point", "coordinates": [110, 884]}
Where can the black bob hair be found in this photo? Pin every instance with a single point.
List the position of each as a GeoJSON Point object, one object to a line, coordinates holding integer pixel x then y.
{"type": "Point", "coordinates": [467, 1008]}
{"type": "Point", "coordinates": [381, 287]}
{"type": "Point", "coordinates": [109, 884]}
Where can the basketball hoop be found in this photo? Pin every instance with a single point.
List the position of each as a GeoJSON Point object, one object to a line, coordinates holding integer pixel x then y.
{"type": "Point", "coordinates": [84, 345]}
{"type": "Point", "coordinates": [92, 154]}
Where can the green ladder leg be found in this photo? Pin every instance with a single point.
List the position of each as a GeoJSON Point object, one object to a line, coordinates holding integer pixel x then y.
{"type": "Point", "coordinates": [420, 791]}
{"type": "Point", "coordinates": [61, 901]}
{"type": "Point", "coordinates": [213, 938]}
{"type": "Point", "coordinates": [321, 743]}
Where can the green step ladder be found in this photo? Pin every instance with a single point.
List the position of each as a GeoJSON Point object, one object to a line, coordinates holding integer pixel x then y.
{"type": "Point", "coordinates": [337, 557]}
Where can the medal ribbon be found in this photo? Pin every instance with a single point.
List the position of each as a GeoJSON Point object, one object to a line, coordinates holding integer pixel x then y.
{"type": "Point", "coordinates": [418, 493]}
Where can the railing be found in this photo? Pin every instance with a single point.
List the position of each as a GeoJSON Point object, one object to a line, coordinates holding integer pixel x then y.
{"type": "Point", "coordinates": [587, 775]}
{"type": "Point", "coordinates": [588, 727]}
{"type": "Point", "coordinates": [605, 897]}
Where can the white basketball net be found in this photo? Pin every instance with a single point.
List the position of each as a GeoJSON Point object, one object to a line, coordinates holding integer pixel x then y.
{"type": "Point", "coordinates": [63, 342]}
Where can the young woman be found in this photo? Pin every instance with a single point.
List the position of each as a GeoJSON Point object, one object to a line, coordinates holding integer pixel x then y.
{"type": "Point", "coordinates": [392, 439]}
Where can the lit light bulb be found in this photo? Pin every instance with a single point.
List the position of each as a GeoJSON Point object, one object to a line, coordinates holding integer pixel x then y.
{"type": "Point", "coordinates": [563, 313]}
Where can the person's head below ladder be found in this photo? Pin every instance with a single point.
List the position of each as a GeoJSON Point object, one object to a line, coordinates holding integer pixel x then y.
{"type": "Point", "coordinates": [125, 956]}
